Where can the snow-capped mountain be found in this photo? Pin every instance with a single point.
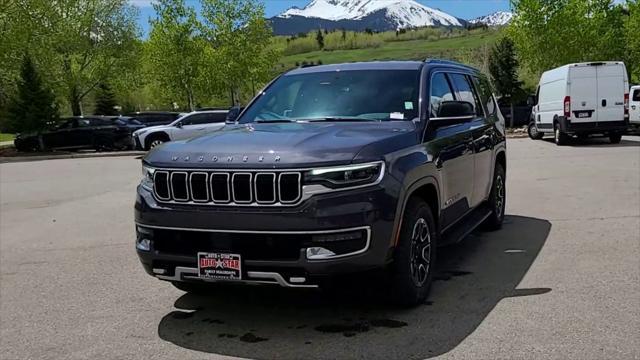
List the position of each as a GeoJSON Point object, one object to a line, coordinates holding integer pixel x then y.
{"type": "Point", "coordinates": [499, 18]}
{"type": "Point", "coordinates": [377, 15]}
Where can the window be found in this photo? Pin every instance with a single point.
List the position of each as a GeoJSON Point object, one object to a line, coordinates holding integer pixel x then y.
{"type": "Point", "coordinates": [466, 92]}
{"type": "Point", "coordinates": [217, 117]}
{"type": "Point", "coordinates": [358, 95]}
{"type": "Point", "coordinates": [440, 92]}
{"type": "Point", "coordinates": [486, 95]}
{"type": "Point", "coordinates": [636, 95]}
{"type": "Point", "coordinates": [195, 119]}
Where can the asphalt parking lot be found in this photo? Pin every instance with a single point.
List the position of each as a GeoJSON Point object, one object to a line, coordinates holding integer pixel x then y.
{"type": "Point", "coordinates": [560, 280]}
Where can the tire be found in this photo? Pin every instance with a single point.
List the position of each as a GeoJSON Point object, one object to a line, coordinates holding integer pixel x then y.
{"type": "Point", "coordinates": [411, 272]}
{"type": "Point", "coordinates": [560, 137]}
{"type": "Point", "coordinates": [103, 144]}
{"type": "Point", "coordinates": [615, 138]}
{"type": "Point", "coordinates": [155, 140]}
{"type": "Point", "coordinates": [533, 132]}
{"type": "Point", "coordinates": [193, 287]}
{"type": "Point", "coordinates": [497, 199]}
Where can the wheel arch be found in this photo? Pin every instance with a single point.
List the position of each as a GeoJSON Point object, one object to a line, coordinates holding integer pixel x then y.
{"type": "Point", "coordinates": [427, 189]}
{"type": "Point", "coordinates": [155, 135]}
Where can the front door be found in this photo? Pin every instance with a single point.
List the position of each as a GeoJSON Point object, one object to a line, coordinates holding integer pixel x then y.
{"type": "Point", "coordinates": [452, 147]}
{"type": "Point", "coordinates": [634, 105]}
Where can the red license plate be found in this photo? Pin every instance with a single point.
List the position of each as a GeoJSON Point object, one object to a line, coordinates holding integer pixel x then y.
{"type": "Point", "coordinates": [219, 266]}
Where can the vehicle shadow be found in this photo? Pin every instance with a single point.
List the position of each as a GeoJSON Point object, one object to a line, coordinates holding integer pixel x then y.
{"type": "Point", "coordinates": [355, 321]}
{"type": "Point", "coordinates": [596, 141]}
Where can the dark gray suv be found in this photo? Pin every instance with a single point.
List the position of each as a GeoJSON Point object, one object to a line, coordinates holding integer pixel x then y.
{"type": "Point", "coordinates": [330, 170]}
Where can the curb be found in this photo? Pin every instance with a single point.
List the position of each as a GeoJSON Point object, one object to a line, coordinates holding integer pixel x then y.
{"type": "Point", "coordinates": [17, 159]}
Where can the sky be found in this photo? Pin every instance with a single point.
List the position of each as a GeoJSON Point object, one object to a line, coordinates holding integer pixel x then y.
{"type": "Point", "coordinates": [464, 9]}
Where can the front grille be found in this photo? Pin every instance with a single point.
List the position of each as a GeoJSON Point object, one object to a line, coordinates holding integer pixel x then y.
{"type": "Point", "coordinates": [228, 188]}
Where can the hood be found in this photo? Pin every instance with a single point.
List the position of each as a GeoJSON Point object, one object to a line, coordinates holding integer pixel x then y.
{"type": "Point", "coordinates": [145, 129]}
{"type": "Point", "coordinates": [285, 145]}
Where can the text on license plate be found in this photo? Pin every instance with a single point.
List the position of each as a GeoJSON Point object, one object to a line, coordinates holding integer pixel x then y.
{"type": "Point", "coordinates": [219, 266]}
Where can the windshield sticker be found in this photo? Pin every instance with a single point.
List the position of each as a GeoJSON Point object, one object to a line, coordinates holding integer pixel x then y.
{"type": "Point", "coordinates": [396, 115]}
{"type": "Point", "coordinates": [408, 105]}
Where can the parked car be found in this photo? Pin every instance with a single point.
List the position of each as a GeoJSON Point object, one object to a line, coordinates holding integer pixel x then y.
{"type": "Point", "coordinates": [582, 99]}
{"type": "Point", "coordinates": [332, 170]}
{"type": "Point", "coordinates": [154, 118]}
{"type": "Point", "coordinates": [99, 132]}
{"type": "Point", "coordinates": [634, 108]}
{"type": "Point", "coordinates": [188, 126]}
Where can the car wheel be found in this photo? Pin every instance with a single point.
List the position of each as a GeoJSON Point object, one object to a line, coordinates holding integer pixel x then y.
{"type": "Point", "coordinates": [415, 256]}
{"type": "Point", "coordinates": [615, 138]}
{"type": "Point", "coordinates": [192, 287]}
{"type": "Point", "coordinates": [103, 144]}
{"type": "Point", "coordinates": [497, 200]}
{"type": "Point", "coordinates": [532, 130]}
{"type": "Point", "coordinates": [560, 137]}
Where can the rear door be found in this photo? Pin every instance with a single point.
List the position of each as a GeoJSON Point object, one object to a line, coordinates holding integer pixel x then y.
{"type": "Point", "coordinates": [584, 93]}
{"type": "Point", "coordinates": [611, 90]}
{"type": "Point", "coordinates": [634, 105]}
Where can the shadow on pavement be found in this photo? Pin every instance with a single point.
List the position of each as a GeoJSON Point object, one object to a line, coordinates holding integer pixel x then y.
{"type": "Point", "coordinates": [355, 321]}
{"type": "Point", "coordinates": [596, 141]}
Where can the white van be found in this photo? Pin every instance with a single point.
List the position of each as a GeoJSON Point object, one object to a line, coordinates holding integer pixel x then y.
{"type": "Point", "coordinates": [634, 107]}
{"type": "Point", "coordinates": [581, 99]}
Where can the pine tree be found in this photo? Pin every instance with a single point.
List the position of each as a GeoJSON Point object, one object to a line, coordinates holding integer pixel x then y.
{"type": "Point", "coordinates": [320, 39]}
{"type": "Point", "coordinates": [503, 67]}
{"type": "Point", "coordinates": [34, 106]}
{"type": "Point", "coordinates": [105, 100]}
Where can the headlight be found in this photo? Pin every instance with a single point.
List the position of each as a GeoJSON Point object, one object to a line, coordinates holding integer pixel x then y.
{"type": "Point", "coordinates": [346, 176]}
{"type": "Point", "coordinates": [147, 177]}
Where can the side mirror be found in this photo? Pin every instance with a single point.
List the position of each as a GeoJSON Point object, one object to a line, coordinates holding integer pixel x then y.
{"type": "Point", "coordinates": [532, 100]}
{"type": "Point", "coordinates": [456, 109]}
{"type": "Point", "coordinates": [179, 124]}
{"type": "Point", "coordinates": [233, 114]}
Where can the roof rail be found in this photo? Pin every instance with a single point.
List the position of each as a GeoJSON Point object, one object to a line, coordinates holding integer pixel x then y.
{"type": "Point", "coordinates": [448, 62]}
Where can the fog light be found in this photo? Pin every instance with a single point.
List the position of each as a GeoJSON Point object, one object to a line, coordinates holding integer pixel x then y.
{"type": "Point", "coordinates": [314, 253]}
{"type": "Point", "coordinates": [143, 244]}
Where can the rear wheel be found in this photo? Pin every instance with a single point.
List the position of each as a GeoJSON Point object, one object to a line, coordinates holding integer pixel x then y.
{"type": "Point", "coordinates": [497, 199]}
{"type": "Point", "coordinates": [560, 137]}
{"type": "Point", "coordinates": [615, 138]}
{"type": "Point", "coordinates": [415, 255]}
{"type": "Point", "coordinates": [532, 130]}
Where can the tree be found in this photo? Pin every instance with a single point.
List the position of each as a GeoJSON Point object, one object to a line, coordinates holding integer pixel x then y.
{"type": "Point", "coordinates": [551, 33]}
{"type": "Point", "coordinates": [320, 39]}
{"type": "Point", "coordinates": [105, 100]}
{"type": "Point", "coordinates": [33, 106]}
{"type": "Point", "coordinates": [503, 67]}
{"type": "Point", "coordinates": [240, 35]}
{"type": "Point", "coordinates": [632, 33]}
{"type": "Point", "coordinates": [176, 54]}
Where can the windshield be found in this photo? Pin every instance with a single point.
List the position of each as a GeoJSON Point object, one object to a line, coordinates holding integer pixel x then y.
{"type": "Point", "coordinates": [356, 95]}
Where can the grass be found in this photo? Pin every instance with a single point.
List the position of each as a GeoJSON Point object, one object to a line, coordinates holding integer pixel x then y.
{"type": "Point", "coordinates": [457, 48]}
{"type": "Point", "coordinates": [6, 137]}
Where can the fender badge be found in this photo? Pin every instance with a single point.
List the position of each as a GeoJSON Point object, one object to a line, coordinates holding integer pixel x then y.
{"type": "Point", "coordinates": [186, 158]}
{"type": "Point", "coordinates": [175, 158]}
{"type": "Point", "coordinates": [277, 158]}
{"type": "Point", "coordinates": [201, 159]}
{"type": "Point", "coordinates": [245, 158]}
{"type": "Point", "coordinates": [229, 158]}
{"type": "Point", "coordinates": [214, 159]}
{"type": "Point", "coordinates": [261, 158]}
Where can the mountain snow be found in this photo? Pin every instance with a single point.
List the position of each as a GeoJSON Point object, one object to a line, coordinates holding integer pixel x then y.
{"type": "Point", "coordinates": [404, 13]}
{"type": "Point", "coordinates": [496, 19]}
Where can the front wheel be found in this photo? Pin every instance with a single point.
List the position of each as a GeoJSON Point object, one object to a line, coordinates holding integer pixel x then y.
{"type": "Point", "coordinates": [415, 256]}
{"type": "Point", "coordinates": [533, 132]}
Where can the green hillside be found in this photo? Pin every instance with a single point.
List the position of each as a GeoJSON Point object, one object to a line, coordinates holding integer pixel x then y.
{"type": "Point", "coordinates": [467, 48]}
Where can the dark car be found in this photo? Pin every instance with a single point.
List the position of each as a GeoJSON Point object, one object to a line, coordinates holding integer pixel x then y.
{"type": "Point", "coordinates": [331, 170]}
{"type": "Point", "coordinates": [99, 132]}
{"type": "Point", "coordinates": [153, 118]}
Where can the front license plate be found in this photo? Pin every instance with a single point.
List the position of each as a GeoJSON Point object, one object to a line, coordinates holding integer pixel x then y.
{"type": "Point", "coordinates": [584, 114]}
{"type": "Point", "coordinates": [219, 266]}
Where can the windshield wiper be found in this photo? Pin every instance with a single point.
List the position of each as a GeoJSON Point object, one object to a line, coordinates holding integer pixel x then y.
{"type": "Point", "coordinates": [275, 121]}
{"type": "Point", "coordinates": [340, 119]}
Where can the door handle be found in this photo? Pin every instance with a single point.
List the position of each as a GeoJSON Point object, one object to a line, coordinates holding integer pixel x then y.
{"type": "Point", "coordinates": [633, 107]}
{"type": "Point", "coordinates": [604, 102]}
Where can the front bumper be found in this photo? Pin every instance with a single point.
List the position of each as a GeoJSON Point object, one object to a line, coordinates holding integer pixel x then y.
{"type": "Point", "coordinates": [282, 235]}
{"type": "Point", "coordinates": [137, 145]}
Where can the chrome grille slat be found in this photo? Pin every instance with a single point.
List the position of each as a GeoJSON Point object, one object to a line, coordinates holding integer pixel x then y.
{"type": "Point", "coordinates": [214, 187]}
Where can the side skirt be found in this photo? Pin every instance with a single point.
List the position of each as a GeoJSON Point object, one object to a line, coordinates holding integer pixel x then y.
{"type": "Point", "coordinates": [464, 226]}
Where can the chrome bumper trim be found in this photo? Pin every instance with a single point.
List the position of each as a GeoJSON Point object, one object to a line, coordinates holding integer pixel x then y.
{"type": "Point", "coordinates": [269, 278]}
